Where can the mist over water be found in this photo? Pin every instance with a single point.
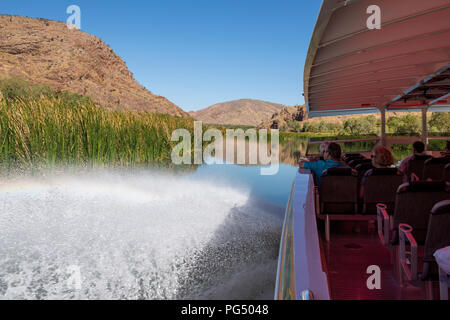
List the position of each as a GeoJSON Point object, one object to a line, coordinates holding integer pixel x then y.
{"type": "Point", "coordinates": [140, 235]}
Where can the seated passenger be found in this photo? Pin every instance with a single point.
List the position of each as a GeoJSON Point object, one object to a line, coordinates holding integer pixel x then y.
{"type": "Point", "coordinates": [418, 150]}
{"type": "Point", "coordinates": [323, 147]}
{"type": "Point", "coordinates": [381, 158]}
{"type": "Point", "coordinates": [446, 153]}
{"type": "Point", "coordinates": [332, 159]}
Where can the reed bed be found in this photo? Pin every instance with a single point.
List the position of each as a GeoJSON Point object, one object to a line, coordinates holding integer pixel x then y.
{"type": "Point", "coordinates": [47, 131]}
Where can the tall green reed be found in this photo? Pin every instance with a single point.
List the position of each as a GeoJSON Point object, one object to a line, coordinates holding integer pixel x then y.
{"type": "Point", "coordinates": [46, 130]}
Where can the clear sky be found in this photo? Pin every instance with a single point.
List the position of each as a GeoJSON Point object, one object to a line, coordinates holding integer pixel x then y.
{"type": "Point", "coordinates": [199, 52]}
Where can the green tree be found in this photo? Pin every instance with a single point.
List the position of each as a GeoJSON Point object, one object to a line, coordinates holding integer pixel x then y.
{"type": "Point", "coordinates": [295, 126]}
{"type": "Point", "coordinates": [350, 126]}
{"type": "Point", "coordinates": [409, 124]}
{"type": "Point", "coordinates": [440, 122]}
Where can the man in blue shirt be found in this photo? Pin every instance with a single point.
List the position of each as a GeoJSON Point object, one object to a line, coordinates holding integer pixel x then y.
{"type": "Point", "coordinates": [332, 159]}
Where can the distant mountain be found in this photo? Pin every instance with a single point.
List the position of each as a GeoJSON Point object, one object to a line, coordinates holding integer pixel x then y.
{"type": "Point", "coordinates": [48, 53]}
{"type": "Point", "coordinates": [245, 112]}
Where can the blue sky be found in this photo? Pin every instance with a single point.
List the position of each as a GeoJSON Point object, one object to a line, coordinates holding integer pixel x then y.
{"type": "Point", "coordinates": [200, 52]}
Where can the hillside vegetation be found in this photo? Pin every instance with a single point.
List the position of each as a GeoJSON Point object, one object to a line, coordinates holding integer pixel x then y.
{"type": "Point", "coordinates": [294, 119]}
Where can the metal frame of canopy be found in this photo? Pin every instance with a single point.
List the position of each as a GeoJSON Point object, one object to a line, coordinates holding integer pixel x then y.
{"type": "Point", "coordinates": [404, 66]}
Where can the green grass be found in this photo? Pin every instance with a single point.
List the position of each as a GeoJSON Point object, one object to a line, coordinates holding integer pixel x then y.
{"type": "Point", "coordinates": [52, 130]}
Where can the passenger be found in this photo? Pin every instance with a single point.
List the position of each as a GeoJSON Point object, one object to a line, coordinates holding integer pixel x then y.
{"type": "Point", "coordinates": [323, 147]}
{"type": "Point", "coordinates": [332, 159]}
{"type": "Point", "coordinates": [418, 150]}
{"type": "Point", "coordinates": [381, 158]}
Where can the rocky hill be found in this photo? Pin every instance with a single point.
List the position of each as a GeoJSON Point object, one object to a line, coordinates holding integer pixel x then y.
{"type": "Point", "coordinates": [284, 117]}
{"type": "Point", "coordinates": [243, 112]}
{"type": "Point", "coordinates": [48, 53]}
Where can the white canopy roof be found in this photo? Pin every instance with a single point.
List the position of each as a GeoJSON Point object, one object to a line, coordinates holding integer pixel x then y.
{"type": "Point", "coordinates": [404, 66]}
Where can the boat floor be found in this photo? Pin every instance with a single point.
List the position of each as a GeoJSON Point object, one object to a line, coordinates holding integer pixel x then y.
{"type": "Point", "coordinates": [349, 254]}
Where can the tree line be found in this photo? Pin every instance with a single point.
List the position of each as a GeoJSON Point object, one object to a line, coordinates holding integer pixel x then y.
{"type": "Point", "coordinates": [409, 124]}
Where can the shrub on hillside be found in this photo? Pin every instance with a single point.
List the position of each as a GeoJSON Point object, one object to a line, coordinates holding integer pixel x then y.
{"type": "Point", "coordinates": [18, 89]}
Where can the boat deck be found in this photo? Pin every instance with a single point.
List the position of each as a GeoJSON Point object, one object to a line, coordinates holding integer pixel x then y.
{"type": "Point", "coordinates": [349, 254]}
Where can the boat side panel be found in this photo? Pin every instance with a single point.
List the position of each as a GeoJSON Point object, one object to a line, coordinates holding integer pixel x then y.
{"type": "Point", "coordinates": [285, 284]}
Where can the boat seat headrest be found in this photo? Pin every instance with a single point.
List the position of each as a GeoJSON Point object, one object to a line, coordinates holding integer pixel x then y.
{"type": "Point", "coordinates": [345, 171]}
{"type": "Point", "coordinates": [418, 157]}
{"type": "Point", "coordinates": [423, 186]}
{"type": "Point", "coordinates": [442, 207]}
{"type": "Point", "coordinates": [383, 172]}
{"type": "Point", "coordinates": [442, 160]}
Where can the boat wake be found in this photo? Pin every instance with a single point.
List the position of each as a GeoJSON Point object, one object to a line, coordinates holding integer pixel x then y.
{"type": "Point", "coordinates": [135, 236]}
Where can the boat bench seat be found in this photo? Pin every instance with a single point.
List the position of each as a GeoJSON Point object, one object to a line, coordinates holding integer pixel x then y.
{"type": "Point", "coordinates": [352, 156]}
{"type": "Point", "coordinates": [380, 185]}
{"type": "Point", "coordinates": [437, 237]}
{"type": "Point", "coordinates": [434, 168]}
{"type": "Point", "coordinates": [339, 191]}
{"type": "Point", "coordinates": [416, 166]}
{"type": "Point", "coordinates": [413, 205]}
{"type": "Point", "coordinates": [338, 197]}
{"type": "Point", "coordinates": [354, 163]}
{"type": "Point", "coordinates": [414, 202]}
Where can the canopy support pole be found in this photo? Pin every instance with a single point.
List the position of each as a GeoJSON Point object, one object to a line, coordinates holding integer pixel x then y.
{"type": "Point", "coordinates": [424, 126]}
{"type": "Point", "coordinates": [383, 126]}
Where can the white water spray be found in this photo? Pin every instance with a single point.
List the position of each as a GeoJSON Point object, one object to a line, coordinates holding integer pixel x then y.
{"type": "Point", "coordinates": [134, 236]}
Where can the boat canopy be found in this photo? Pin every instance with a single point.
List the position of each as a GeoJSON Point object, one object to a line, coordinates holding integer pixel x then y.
{"type": "Point", "coordinates": [404, 65]}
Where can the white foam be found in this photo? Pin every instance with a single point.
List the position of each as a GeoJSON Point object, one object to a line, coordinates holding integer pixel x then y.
{"type": "Point", "coordinates": [133, 236]}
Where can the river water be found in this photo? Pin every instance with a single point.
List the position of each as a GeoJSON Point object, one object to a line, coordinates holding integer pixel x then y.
{"type": "Point", "coordinates": [210, 232]}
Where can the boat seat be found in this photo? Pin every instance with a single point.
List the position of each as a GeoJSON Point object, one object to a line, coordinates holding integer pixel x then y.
{"type": "Point", "coordinates": [352, 156]}
{"type": "Point", "coordinates": [380, 186]}
{"type": "Point", "coordinates": [438, 237]}
{"type": "Point", "coordinates": [434, 168]}
{"type": "Point", "coordinates": [416, 165]}
{"type": "Point", "coordinates": [361, 170]}
{"type": "Point", "coordinates": [364, 167]}
{"type": "Point", "coordinates": [447, 173]}
{"type": "Point", "coordinates": [413, 204]}
{"type": "Point", "coordinates": [339, 197]}
{"type": "Point", "coordinates": [338, 191]}
{"type": "Point", "coordinates": [356, 162]}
